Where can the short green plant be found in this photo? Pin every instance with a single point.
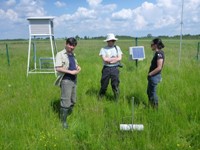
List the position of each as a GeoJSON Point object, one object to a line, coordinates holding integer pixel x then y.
{"type": "Point", "coordinates": [29, 105]}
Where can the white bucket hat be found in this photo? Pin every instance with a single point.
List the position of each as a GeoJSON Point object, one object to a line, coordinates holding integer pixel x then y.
{"type": "Point", "coordinates": [110, 37]}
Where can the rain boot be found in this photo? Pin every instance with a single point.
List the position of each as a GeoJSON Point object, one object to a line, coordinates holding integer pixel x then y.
{"type": "Point", "coordinates": [116, 94]}
{"type": "Point", "coordinates": [155, 106]}
{"type": "Point", "coordinates": [63, 116]}
{"type": "Point", "coordinates": [150, 103]}
{"type": "Point", "coordinates": [101, 94]}
{"type": "Point", "coordinates": [70, 110]}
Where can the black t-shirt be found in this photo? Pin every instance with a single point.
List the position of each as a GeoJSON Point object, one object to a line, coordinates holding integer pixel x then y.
{"type": "Point", "coordinates": [158, 55]}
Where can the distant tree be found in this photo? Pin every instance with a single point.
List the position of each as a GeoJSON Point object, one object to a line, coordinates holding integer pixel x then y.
{"type": "Point", "coordinates": [86, 38]}
{"type": "Point", "coordinates": [149, 35]}
{"type": "Point", "coordinates": [77, 37]}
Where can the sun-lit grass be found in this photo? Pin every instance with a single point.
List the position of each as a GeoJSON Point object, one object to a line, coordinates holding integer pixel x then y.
{"type": "Point", "coordinates": [29, 105]}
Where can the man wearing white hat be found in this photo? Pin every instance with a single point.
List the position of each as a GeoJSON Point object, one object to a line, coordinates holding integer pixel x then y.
{"type": "Point", "coordinates": [111, 56]}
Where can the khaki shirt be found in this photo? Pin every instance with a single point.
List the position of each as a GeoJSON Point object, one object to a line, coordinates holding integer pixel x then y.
{"type": "Point", "coordinates": [62, 60]}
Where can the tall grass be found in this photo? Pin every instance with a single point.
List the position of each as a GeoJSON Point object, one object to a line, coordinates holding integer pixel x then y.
{"type": "Point", "coordinates": [29, 105]}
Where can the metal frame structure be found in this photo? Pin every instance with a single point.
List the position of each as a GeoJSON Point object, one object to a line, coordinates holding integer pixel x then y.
{"type": "Point", "coordinates": [38, 27]}
{"type": "Point", "coordinates": [198, 50]}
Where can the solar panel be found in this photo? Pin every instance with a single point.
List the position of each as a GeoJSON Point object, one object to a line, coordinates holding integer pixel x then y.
{"type": "Point", "coordinates": [137, 52]}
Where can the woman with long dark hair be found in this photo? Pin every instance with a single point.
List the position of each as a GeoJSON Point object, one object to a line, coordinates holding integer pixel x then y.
{"type": "Point", "coordinates": [154, 74]}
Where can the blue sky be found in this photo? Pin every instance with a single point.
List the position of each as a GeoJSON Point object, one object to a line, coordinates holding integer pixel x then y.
{"type": "Point", "coordinates": [98, 17]}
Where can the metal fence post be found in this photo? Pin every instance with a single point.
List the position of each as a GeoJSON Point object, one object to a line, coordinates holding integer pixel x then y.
{"type": "Point", "coordinates": [136, 44]}
{"type": "Point", "coordinates": [198, 46]}
{"type": "Point", "coordinates": [7, 54]}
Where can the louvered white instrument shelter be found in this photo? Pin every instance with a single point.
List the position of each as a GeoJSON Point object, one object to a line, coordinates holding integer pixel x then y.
{"type": "Point", "coordinates": [41, 27]}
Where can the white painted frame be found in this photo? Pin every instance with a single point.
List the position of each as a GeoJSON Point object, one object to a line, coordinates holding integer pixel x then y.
{"type": "Point", "coordinates": [41, 26]}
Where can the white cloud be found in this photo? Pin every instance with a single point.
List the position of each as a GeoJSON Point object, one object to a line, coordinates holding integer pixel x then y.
{"type": "Point", "coordinates": [137, 18]}
{"type": "Point", "coordinates": [147, 17]}
{"type": "Point", "coordinates": [165, 3]}
{"type": "Point", "coordinates": [8, 14]}
{"type": "Point", "coordinates": [12, 15]}
{"type": "Point", "coordinates": [94, 3]}
{"type": "Point", "coordinates": [10, 2]}
{"type": "Point", "coordinates": [59, 4]}
{"type": "Point", "coordinates": [123, 14]}
{"type": "Point", "coordinates": [98, 18]}
{"type": "Point", "coordinates": [83, 13]}
{"type": "Point", "coordinates": [28, 2]}
{"type": "Point", "coordinates": [165, 21]}
{"type": "Point", "coordinates": [192, 7]}
{"type": "Point", "coordinates": [139, 22]}
{"type": "Point", "coordinates": [196, 19]}
{"type": "Point", "coordinates": [106, 9]}
{"type": "Point", "coordinates": [30, 8]}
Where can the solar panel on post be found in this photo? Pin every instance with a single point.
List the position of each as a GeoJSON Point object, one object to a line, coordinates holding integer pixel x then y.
{"type": "Point", "coordinates": [137, 52]}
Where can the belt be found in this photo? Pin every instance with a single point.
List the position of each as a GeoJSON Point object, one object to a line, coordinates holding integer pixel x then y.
{"type": "Point", "coordinates": [70, 79]}
{"type": "Point", "coordinates": [110, 66]}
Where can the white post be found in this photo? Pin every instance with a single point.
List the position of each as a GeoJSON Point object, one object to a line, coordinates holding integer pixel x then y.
{"type": "Point", "coordinates": [52, 50]}
{"type": "Point", "coordinates": [29, 49]}
{"type": "Point", "coordinates": [35, 54]}
{"type": "Point", "coordinates": [181, 33]}
{"type": "Point", "coordinates": [132, 109]}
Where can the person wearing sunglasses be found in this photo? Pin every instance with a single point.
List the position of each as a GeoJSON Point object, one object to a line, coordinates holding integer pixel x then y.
{"type": "Point", "coordinates": [154, 74]}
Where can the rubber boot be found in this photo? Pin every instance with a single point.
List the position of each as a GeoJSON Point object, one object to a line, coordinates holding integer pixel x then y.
{"type": "Point", "coordinates": [101, 94]}
{"type": "Point", "coordinates": [150, 103]}
{"type": "Point", "coordinates": [116, 94]}
{"type": "Point", "coordinates": [155, 106]}
{"type": "Point", "coordinates": [70, 110]}
{"type": "Point", "coordinates": [63, 117]}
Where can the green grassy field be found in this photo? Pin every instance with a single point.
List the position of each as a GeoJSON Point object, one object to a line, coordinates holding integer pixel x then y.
{"type": "Point", "coordinates": [29, 105]}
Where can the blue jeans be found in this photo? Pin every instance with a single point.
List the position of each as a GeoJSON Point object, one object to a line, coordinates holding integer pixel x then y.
{"type": "Point", "coordinates": [152, 86]}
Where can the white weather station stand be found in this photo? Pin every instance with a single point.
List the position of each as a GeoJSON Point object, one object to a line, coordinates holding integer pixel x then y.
{"type": "Point", "coordinates": [41, 27]}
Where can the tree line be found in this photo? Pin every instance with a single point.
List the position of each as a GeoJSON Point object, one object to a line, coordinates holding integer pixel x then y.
{"type": "Point", "coordinates": [121, 37]}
